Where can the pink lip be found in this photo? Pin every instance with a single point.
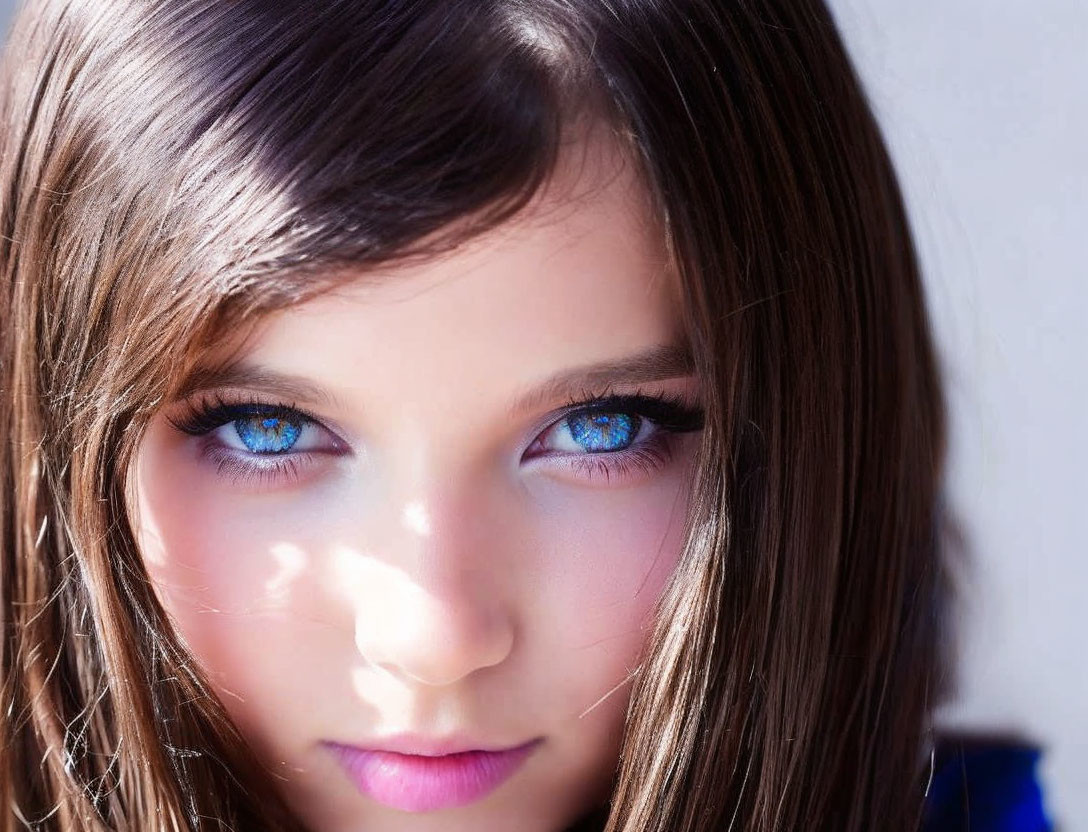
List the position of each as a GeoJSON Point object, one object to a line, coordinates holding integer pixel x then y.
{"type": "Point", "coordinates": [418, 776]}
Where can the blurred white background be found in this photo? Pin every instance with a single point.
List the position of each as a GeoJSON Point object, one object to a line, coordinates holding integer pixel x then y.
{"type": "Point", "coordinates": [985, 107]}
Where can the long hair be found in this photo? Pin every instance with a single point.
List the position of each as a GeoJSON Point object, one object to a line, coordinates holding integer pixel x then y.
{"type": "Point", "coordinates": [171, 171]}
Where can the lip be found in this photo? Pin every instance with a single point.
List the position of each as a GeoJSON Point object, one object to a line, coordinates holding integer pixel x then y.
{"type": "Point", "coordinates": [418, 775]}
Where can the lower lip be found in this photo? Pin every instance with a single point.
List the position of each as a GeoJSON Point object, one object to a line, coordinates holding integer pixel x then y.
{"type": "Point", "coordinates": [416, 783]}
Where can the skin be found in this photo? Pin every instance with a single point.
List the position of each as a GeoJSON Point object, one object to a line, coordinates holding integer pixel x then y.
{"type": "Point", "coordinates": [425, 570]}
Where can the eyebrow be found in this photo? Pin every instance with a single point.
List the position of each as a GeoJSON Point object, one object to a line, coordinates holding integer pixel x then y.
{"type": "Point", "coordinates": [656, 363]}
{"type": "Point", "coordinates": [240, 374]}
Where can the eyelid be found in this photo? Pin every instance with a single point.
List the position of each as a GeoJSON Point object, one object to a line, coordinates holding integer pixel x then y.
{"type": "Point", "coordinates": [603, 399]}
{"type": "Point", "coordinates": [205, 413]}
{"type": "Point", "coordinates": [656, 407]}
{"type": "Point", "coordinates": [653, 407]}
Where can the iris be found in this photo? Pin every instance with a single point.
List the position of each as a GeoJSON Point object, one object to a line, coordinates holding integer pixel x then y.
{"type": "Point", "coordinates": [267, 434]}
{"type": "Point", "coordinates": [603, 432]}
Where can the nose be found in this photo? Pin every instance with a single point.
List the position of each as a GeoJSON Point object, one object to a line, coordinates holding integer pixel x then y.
{"type": "Point", "coordinates": [434, 640]}
{"type": "Point", "coordinates": [434, 606]}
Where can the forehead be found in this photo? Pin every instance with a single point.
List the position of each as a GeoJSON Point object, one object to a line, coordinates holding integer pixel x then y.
{"type": "Point", "coordinates": [581, 276]}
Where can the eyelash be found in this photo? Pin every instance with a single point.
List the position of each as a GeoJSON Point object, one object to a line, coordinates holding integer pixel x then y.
{"type": "Point", "coordinates": [668, 415]}
{"type": "Point", "coordinates": [213, 412]}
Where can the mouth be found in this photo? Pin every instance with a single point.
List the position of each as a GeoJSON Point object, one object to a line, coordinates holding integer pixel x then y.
{"type": "Point", "coordinates": [428, 781]}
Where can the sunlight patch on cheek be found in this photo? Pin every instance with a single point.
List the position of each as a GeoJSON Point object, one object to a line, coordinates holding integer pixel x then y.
{"type": "Point", "coordinates": [148, 534]}
{"type": "Point", "coordinates": [371, 587]}
{"type": "Point", "coordinates": [385, 695]}
{"type": "Point", "coordinates": [151, 544]}
{"type": "Point", "coordinates": [354, 571]}
{"type": "Point", "coordinates": [374, 590]}
{"type": "Point", "coordinates": [415, 518]}
{"type": "Point", "coordinates": [291, 561]}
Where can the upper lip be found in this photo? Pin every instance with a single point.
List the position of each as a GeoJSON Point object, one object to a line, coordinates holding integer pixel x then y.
{"type": "Point", "coordinates": [421, 746]}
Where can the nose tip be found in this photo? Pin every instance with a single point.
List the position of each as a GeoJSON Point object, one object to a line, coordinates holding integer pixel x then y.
{"type": "Point", "coordinates": [434, 640]}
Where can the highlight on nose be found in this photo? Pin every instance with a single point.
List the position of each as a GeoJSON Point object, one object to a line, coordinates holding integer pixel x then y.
{"type": "Point", "coordinates": [436, 648]}
{"type": "Point", "coordinates": [426, 635]}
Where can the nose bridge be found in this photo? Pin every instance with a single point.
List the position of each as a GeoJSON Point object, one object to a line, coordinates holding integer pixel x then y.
{"type": "Point", "coordinates": [441, 609]}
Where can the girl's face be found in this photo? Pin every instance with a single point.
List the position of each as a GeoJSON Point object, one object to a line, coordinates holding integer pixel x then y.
{"type": "Point", "coordinates": [414, 553]}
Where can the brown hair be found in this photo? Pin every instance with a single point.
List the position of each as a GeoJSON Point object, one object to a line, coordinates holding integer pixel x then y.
{"type": "Point", "coordinates": [173, 170]}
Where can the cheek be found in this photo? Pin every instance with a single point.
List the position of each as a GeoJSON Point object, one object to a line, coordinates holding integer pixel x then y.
{"type": "Point", "coordinates": [205, 548]}
{"type": "Point", "coordinates": [234, 575]}
{"type": "Point", "coordinates": [604, 559]}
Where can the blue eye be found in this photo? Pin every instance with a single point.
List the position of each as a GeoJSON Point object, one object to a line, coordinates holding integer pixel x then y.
{"type": "Point", "coordinates": [268, 434]}
{"type": "Point", "coordinates": [266, 443]}
{"type": "Point", "coordinates": [613, 437]}
{"type": "Point", "coordinates": [603, 432]}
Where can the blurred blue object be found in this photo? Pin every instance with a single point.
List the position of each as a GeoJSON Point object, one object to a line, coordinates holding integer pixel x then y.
{"type": "Point", "coordinates": [985, 785]}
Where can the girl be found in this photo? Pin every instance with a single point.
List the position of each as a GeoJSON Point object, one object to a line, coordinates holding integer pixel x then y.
{"type": "Point", "coordinates": [444, 415]}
